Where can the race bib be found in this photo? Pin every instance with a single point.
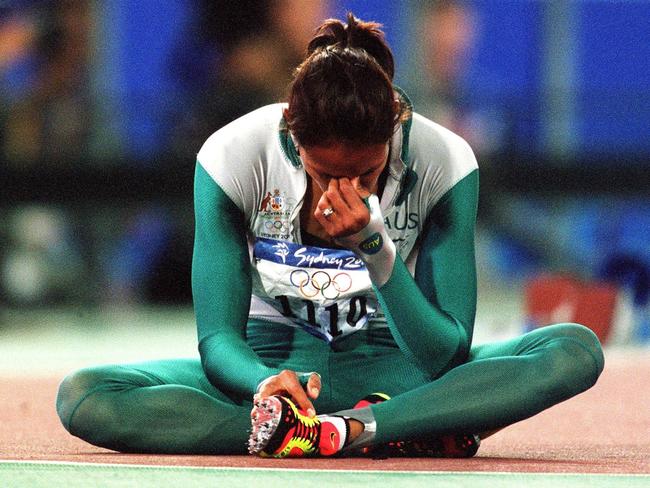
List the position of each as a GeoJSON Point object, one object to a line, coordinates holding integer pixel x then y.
{"type": "Point", "coordinates": [326, 291]}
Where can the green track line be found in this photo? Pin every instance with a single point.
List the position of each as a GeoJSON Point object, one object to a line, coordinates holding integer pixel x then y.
{"type": "Point", "coordinates": [73, 475]}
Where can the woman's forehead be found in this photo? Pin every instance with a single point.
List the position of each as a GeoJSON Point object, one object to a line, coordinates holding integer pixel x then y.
{"type": "Point", "coordinates": [340, 155]}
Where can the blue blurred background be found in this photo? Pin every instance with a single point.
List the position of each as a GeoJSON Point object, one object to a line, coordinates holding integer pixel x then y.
{"type": "Point", "coordinates": [104, 105]}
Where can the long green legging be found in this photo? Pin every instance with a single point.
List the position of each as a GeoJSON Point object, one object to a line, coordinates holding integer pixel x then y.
{"type": "Point", "coordinates": [169, 406]}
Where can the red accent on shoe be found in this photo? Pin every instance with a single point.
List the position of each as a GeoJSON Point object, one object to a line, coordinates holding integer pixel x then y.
{"type": "Point", "coordinates": [330, 438]}
{"type": "Point", "coordinates": [281, 429]}
{"type": "Point", "coordinates": [447, 446]}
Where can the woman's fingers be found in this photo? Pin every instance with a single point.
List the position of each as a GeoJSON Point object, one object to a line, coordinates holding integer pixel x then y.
{"type": "Point", "coordinates": [325, 219]}
{"type": "Point", "coordinates": [314, 385]}
{"type": "Point", "coordinates": [341, 210]}
{"type": "Point", "coordinates": [335, 199]}
{"type": "Point", "coordinates": [286, 383]}
{"type": "Point", "coordinates": [359, 188]}
{"type": "Point", "coordinates": [353, 194]}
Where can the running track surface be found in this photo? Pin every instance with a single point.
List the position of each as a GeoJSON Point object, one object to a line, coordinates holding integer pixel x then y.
{"type": "Point", "coordinates": [605, 430]}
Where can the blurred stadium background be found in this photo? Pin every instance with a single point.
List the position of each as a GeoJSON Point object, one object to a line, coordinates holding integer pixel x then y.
{"type": "Point", "coordinates": [104, 105]}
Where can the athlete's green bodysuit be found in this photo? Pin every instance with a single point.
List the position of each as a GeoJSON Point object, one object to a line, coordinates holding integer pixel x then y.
{"type": "Point", "coordinates": [409, 338]}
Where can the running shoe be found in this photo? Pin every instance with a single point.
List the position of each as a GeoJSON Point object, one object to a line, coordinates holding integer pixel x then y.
{"type": "Point", "coordinates": [447, 446]}
{"type": "Point", "coordinates": [280, 429]}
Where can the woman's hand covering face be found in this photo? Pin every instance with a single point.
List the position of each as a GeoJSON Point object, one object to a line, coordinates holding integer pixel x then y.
{"type": "Point", "coordinates": [349, 213]}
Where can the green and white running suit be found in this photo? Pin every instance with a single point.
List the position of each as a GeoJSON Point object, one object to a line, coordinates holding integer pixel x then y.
{"type": "Point", "coordinates": [265, 302]}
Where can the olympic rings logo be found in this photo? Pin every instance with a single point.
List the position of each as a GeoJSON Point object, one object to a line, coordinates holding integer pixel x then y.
{"type": "Point", "coordinates": [277, 225]}
{"type": "Point", "coordinates": [311, 284]}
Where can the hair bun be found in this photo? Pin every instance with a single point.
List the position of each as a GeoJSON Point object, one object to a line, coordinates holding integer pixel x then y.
{"type": "Point", "coordinates": [356, 34]}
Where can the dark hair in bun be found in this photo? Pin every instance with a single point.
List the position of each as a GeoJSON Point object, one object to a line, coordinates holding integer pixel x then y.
{"type": "Point", "coordinates": [356, 34]}
{"type": "Point", "coordinates": [342, 91]}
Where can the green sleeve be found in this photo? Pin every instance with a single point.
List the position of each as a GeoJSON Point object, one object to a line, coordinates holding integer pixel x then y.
{"type": "Point", "coordinates": [221, 289]}
{"type": "Point", "coordinates": [432, 317]}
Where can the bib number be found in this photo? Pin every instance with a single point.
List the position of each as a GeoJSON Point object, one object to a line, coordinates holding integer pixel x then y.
{"type": "Point", "coordinates": [331, 320]}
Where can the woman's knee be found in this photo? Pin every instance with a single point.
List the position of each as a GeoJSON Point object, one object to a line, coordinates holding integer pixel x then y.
{"type": "Point", "coordinates": [588, 341]}
{"type": "Point", "coordinates": [575, 358]}
{"type": "Point", "coordinates": [77, 387]}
